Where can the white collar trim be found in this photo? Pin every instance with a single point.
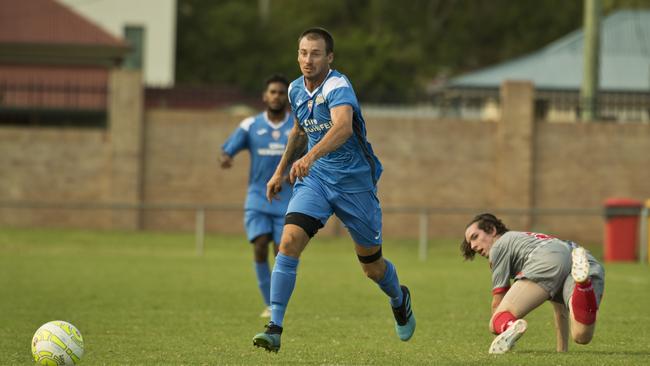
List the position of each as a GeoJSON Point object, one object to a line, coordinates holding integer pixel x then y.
{"type": "Point", "coordinates": [273, 125]}
{"type": "Point", "coordinates": [316, 88]}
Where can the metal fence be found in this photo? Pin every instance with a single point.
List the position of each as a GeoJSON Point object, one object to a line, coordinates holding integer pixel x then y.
{"type": "Point", "coordinates": [53, 96]}
{"type": "Point", "coordinates": [53, 105]}
{"type": "Point", "coordinates": [423, 213]}
{"type": "Point", "coordinates": [550, 105]}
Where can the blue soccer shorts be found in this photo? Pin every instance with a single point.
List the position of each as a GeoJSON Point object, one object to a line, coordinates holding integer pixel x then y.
{"type": "Point", "coordinates": [259, 223]}
{"type": "Point", "coordinates": [360, 212]}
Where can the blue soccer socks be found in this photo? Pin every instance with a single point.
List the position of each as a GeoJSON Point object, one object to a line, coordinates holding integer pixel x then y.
{"type": "Point", "coordinates": [400, 301]}
{"type": "Point", "coordinates": [390, 285]}
{"type": "Point", "coordinates": [264, 280]}
{"type": "Point", "coordinates": [283, 281]}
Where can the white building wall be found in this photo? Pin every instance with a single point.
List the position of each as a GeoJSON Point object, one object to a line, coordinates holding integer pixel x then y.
{"type": "Point", "coordinates": [158, 17]}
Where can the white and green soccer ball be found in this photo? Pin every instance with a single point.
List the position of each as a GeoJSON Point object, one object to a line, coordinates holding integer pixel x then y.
{"type": "Point", "coordinates": [57, 343]}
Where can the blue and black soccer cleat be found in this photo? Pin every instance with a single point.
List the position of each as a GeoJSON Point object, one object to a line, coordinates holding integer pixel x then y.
{"type": "Point", "coordinates": [269, 339]}
{"type": "Point", "coordinates": [404, 318]}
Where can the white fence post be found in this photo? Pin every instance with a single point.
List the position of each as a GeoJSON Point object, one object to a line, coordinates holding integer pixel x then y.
{"type": "Point", "coordinates": [424, 233]}
{"type": "Point", "coordinates": [200, 231]}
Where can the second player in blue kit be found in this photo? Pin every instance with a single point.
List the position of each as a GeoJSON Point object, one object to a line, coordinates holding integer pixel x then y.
{"type": "Point", "coordinates": [265, 137]}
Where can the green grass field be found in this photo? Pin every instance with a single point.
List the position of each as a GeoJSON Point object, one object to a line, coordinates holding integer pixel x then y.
{"type": "Point", "coordinates": [147, 298]}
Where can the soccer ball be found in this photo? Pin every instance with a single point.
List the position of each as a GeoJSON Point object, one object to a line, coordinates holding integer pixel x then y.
{"type": "Point", "coordinates": [57, 343]}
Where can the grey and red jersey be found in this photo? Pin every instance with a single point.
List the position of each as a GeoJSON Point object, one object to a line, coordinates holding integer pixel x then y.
{"type": "Point", "coordinates": [542, 259]}
{"type": "Point", "coordinates": [511, 251]}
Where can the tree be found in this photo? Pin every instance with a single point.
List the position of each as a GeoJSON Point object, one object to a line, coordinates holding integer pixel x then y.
{"type": "Point", "coordinates": [390, 50]}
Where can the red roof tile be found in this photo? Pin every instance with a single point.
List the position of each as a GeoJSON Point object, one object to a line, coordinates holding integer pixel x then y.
{"type": "Point", "coordinates": [49, 22]}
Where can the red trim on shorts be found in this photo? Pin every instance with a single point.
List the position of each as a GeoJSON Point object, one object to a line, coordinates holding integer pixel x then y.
{"type": "Point", "coordinates": [500, 290]}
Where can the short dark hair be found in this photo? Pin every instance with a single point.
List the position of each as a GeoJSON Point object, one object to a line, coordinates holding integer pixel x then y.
{"type": "Point", "coordinates": [276, 78]}
{"type": "Point", "coordinates": [486, 222]}
{"type": "Point", "coordinates": [318, 32]}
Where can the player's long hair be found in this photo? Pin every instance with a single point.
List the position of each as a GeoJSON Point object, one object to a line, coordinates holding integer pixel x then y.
{"type": "Point", "coordinates": [486, 222]}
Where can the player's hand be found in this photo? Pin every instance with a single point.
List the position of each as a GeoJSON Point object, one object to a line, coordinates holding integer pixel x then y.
{"type": "Point", "coordinates": [300, 168]}
{"type": "Point", "coordinates": [285, 179]}
{"type": "Point", "coordinates": [274, 186]}
{"type": "Point", "coordinates": [225, 161]}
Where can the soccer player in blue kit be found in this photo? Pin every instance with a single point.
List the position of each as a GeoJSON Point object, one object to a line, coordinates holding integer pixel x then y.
{"type": "Point", "coordinates": [265, 137]}
{"type": "Point", "coordinates": [338, 175]}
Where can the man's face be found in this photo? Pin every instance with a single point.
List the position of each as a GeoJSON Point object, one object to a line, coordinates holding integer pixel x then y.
{"type": "Point", "coordinates": [313, 59]}
{"type": "Point", "coordinates": [275, 96]}
{"type": "Point", "coordinates": [480, 241]}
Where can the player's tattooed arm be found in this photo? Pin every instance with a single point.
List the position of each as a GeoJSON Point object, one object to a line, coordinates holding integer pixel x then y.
{"type": "Point", "coordinates": [336, 136]}
{"type": "Point", "coordinates": [296, 146]}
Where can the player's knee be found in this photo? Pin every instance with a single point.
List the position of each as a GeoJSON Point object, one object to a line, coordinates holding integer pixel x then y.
{"type": "Point", "coordinates": [371, 259]}
{"type": "Point", "coordinates": [293, 242]}
{"type": "Point", "coordinates": [289, 245]}
{"type": "Point", "coordinates": [582, 339]}
{"type": "Point", "coordinates": [373, 271]}
{"type": "Point", "coordinates": [582, 336]}
{"type": "Point", "coordinates": [261, 254]}
{"type": "Point", "coordinates": [308, 224]}
{"type": "Point", "coordinates": [261, 248]}
{"type": "Point", "coordinates": [372, 265]}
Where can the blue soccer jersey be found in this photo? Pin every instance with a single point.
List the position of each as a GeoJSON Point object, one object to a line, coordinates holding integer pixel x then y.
{"type": "Point", "coordinates": [353, 167]}
{"type": "Point", "coordinates": [266, 143]}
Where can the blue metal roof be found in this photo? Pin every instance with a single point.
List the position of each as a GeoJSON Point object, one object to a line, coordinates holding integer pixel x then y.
{"type": "Point", "coordinates": [624, 59]}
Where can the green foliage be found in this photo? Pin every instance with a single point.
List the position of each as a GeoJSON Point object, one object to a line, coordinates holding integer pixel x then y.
{"type": "Point", "coordinates": [147, 299]}
{"type": "Point", "coordinates": [390, 50]}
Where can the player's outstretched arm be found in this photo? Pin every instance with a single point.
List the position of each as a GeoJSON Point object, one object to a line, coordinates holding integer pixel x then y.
{"type": "Point", "coordinates": [496, 300]}
{"type": "Point", "coordinates": [561, 315]}
{"type": "Point", "coordinates": [337, 135]}
{"type": "Point", "coordinates": [225, 160]}
{"type": "Point", "coordinates": [236, 142]}
{"type": "Point", "coordinates": [296, 145]}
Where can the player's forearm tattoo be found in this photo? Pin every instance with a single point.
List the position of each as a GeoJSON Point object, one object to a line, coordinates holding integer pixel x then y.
{"type": "Point", "coordinates": [296, 147]}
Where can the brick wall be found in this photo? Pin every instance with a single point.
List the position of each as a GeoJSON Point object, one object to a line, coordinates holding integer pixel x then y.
{"type": "Point", "coordinates": [53, 165]}
{"type": "Point", "coordinates": [161, 156]}
{"type": "Point", "coordinates": [581, 164]}
{"type": "Point", "coordinates": [181, 167]}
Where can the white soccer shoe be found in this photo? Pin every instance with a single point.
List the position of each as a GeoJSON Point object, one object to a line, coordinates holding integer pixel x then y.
{"type": "Point", "coordinates": [266, 313]}
{"type": "Point", "coordinates": [506, 340]}
{"type": "Point", "coordinates": [580, 266]}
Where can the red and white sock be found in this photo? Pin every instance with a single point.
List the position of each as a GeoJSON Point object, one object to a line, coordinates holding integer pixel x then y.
{"type": "Point", "coordinates": [502, 321]}
{"type": "Point", "coordinates": [583, 303]}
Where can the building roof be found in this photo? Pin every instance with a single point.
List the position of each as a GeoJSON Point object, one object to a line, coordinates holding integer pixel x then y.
{"type": "Point", "coordinates": [49, 22]}
{"type": "Point", "coordinates": [624, 59]}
